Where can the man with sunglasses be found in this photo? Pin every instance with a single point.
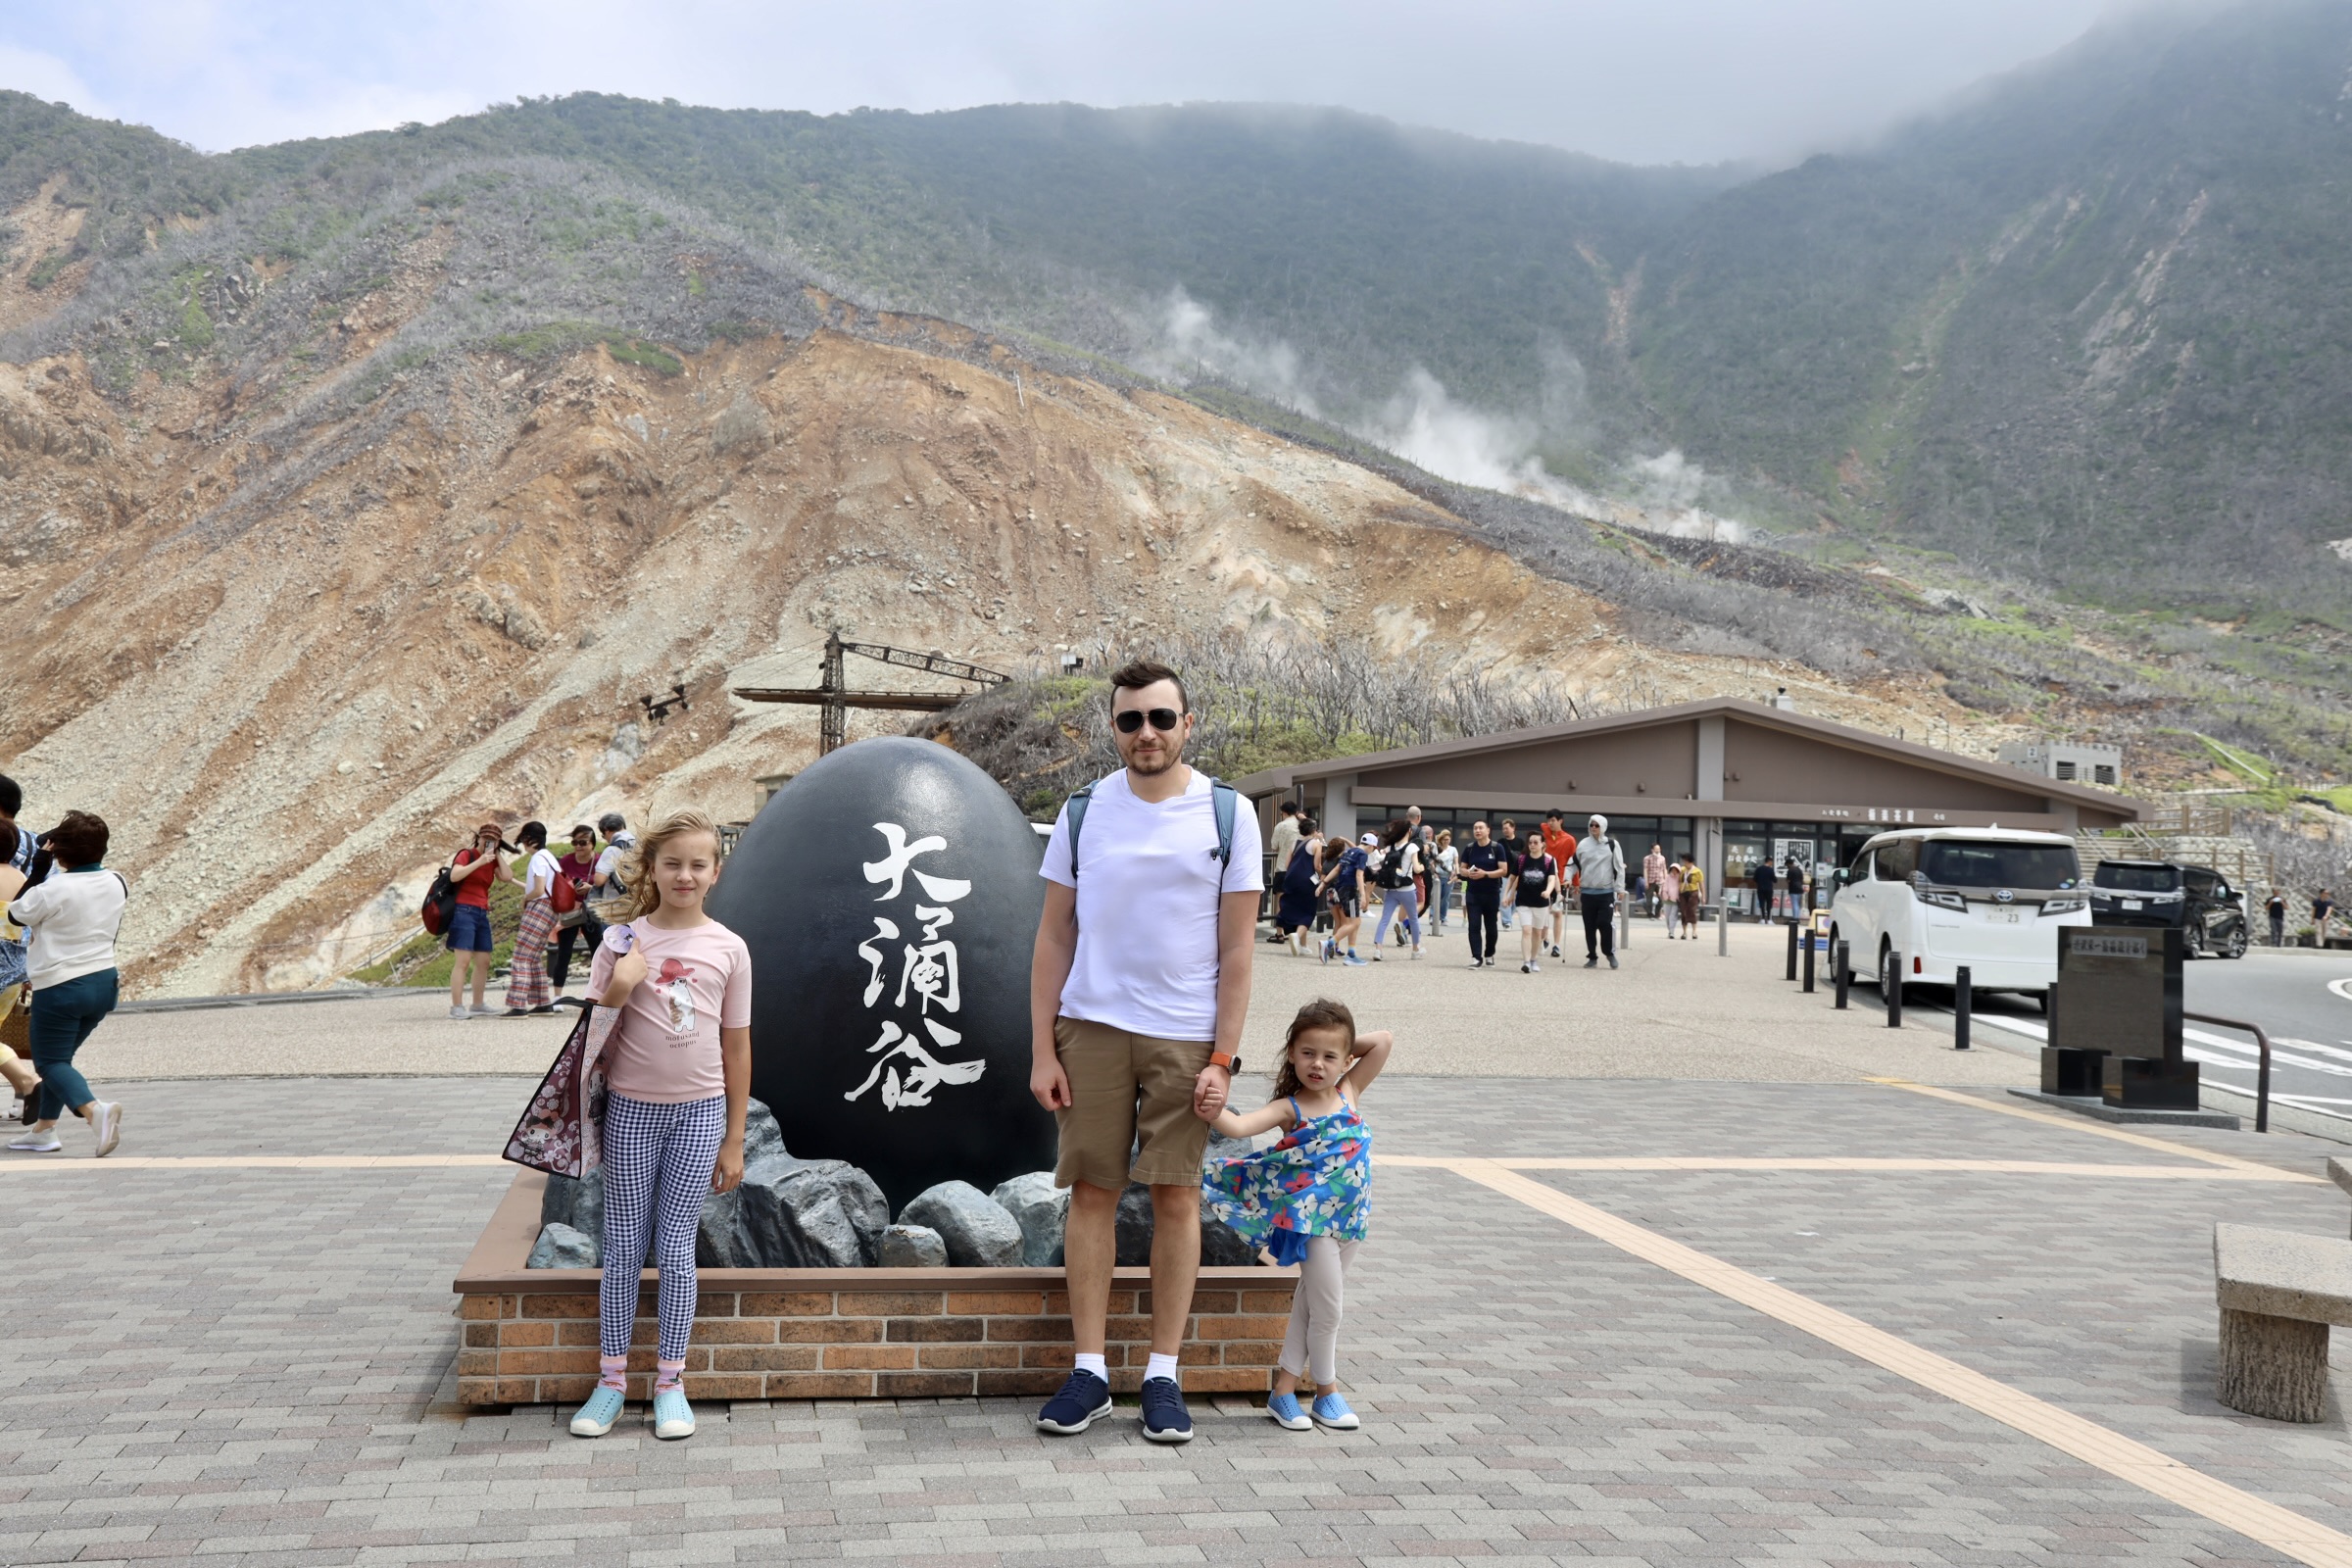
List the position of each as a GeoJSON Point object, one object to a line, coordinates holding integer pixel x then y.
{"type": "Point", "coordinates": [1137, 991]}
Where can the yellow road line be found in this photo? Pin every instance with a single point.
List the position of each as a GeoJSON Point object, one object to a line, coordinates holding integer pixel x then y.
{"type": "Point", "coordinates": [32, 1162]}
{"type": "Point", "coordinates": [2074, 1124]}
{"type": "Point", "coordinates": [2280, 1529]}
{"type": "Point", "coordinates": [2010, 1167]}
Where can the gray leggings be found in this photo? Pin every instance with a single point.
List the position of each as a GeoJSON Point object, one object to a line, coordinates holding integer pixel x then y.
{"type": "Point", "coordinates": [1312, 1347]}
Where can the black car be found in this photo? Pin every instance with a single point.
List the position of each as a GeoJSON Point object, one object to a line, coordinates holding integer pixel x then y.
{"type": "Point", "coordinates": [2210, 914]}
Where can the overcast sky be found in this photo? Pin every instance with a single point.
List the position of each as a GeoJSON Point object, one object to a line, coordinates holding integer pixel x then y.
{"type": "Point", "coordinates": [1643, 80]}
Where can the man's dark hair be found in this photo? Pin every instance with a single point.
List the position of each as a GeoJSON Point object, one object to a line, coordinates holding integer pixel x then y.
{"type": "Point", "coordinates": [12, 796]}
{"type": "Point", "coordinates": [1289, 808]}
{"type": "Point", "coordinates": [1553, 815]}
{"type": "Point", "coordinates": [1137, 673]}
{"type": "Point", "coordinates": [78, 840]}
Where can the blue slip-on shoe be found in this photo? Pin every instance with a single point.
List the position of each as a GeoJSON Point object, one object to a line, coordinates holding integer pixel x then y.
{"type": "Point", "coordinates": [1165, 1419]}
{"type": "Point", "coordinates": [1072, 1411]}
{"type": "Point", "coordinates": [597, 1416]}
{"type": "Point", "coordinates": [1332, 1413]}
{"type": "Point", "coordinates": [1283, 1408]}
{"type": "Point", "coordinates": [673, 1417]}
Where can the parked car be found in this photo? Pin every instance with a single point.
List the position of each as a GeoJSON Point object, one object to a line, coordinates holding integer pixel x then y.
{"type": "Point", "coordinates": [2197, 900]}
{"type": "Point", "coordinates": [1992, 899]}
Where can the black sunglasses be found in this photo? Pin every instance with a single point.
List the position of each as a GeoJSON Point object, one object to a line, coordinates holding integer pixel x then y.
{"type": "Point", "coordinates": [1162, 719]}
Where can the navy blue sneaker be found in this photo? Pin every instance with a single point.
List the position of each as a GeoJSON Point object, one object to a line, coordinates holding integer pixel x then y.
{"type": "Point", "coordinates": [1165, 1419]}
{"type": "Point", "coordinates": [1073, 1410]}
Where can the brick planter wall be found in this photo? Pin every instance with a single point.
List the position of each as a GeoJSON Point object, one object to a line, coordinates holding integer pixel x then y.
{"type": "Point", "coordinates": [529, 1335]}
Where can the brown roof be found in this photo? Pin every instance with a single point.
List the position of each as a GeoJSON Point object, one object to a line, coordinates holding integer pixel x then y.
{"type": "Point", "coordinates": [1276, 780]}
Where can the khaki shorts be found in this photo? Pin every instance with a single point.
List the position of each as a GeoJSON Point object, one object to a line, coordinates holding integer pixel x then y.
{"type": "Point", "coordinates": [1122, 1084]}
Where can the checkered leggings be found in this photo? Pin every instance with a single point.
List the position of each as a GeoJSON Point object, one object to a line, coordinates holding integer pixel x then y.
{"type": "Point", "coordinates": [655, 1155]}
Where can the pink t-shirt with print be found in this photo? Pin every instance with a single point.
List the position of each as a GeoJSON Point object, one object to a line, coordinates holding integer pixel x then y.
{"type": "Point", "coordinates": [665, 1049]}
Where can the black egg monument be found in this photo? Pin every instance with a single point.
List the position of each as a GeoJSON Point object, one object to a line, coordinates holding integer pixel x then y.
{"type": "Point", "coordinates": [890, 899]}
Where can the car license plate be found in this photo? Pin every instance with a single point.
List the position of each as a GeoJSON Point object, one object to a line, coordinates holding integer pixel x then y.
{"type": "Point", "coordinates": [1999, 917]}
{"type": "Point", "coordinates": [2135, 904]}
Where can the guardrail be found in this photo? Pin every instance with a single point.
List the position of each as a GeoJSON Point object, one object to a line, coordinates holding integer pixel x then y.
{"type": "Point", "coordinates": [2262, 1075]}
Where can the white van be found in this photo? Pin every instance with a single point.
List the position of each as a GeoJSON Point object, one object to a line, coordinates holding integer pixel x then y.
{"type": "Point", "coordinates": [1992, 899]}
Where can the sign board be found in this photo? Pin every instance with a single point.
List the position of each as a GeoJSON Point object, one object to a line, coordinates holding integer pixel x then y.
{"type": "Point", "coordinates": [2118, 991]}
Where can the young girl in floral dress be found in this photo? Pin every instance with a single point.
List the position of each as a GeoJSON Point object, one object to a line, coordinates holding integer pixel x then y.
{"type": "Point", "coordinates": [1308, 1198]}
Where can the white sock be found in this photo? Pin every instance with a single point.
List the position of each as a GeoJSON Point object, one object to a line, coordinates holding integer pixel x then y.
{"type": "Point", "coordinates": [1159, 1366]}
{"type": "Point", "coordinates": [1092, 1361]}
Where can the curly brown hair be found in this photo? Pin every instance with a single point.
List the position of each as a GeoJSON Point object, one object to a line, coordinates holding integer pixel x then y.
{"type": "Point", "coordinates": [644, 894]}
{"type": "Point", "coordinates": [1320, 1013]}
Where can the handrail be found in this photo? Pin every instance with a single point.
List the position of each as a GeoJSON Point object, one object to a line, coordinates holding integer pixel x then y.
{"type": "Point", "coordinates": [2261, 1076]}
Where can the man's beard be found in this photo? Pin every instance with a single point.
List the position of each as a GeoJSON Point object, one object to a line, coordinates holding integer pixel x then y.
{"type": "Point", "coordinates": [1148, 764]}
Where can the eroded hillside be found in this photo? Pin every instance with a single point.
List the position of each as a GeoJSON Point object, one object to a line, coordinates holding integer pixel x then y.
{"type": "Point", "coordinates": [291, 675]}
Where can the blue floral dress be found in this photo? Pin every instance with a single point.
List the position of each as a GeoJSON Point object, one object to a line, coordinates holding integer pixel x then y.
{"type": "Point", "coordinates": [1316, 1182]}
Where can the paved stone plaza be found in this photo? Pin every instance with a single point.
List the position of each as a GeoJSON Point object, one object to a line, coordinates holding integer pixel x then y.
{"type": "Point", "coordinates": [1672, 1318]}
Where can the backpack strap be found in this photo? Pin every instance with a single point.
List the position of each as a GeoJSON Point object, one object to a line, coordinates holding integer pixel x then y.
{"type": "Point", "coordinates": [1073, 812]}
{"type": "Point", "coordinates": [1223, 801]}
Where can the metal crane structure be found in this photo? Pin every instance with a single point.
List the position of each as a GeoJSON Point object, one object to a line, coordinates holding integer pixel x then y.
{"type": "Point", "coordinates": [833, 696]}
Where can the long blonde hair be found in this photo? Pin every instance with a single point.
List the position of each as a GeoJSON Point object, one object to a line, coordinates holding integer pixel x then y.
{"type": "Point", "coordinates": [644, 894]}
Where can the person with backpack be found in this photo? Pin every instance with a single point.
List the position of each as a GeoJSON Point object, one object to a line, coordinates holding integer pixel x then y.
{"type": "Point", "coordinates": [1138, 988]}
{"type": "Point", "coordinates": [1343, 871]}
{"type": "Point", "coordinates": [527, 988]}
{"type": "Point", "coordinates": [1599, 880]}
{"type": "Point", "coordinates": [1396, 877]}
{"type": "Point", "coordinates": [471, 870]}
{"type": "Point", "coordinates": [1535, 881]}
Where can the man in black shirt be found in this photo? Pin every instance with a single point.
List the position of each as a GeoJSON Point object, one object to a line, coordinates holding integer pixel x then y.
{"type": "Point", "coordinates": [1482, 870]}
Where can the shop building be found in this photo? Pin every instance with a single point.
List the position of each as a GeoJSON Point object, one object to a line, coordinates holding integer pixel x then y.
{"type": "Point", "coordinates": [1729, 781]}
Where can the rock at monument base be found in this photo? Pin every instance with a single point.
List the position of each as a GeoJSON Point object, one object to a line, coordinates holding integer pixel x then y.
{"type": "Point", "coordinates": [562, 1247]}
{"type": "Point", "coordinates": [977, 1231]}
{"type": "Point", "coordinates": [1221, 1245]}
{"type": "Point", "coordinates": [791, 1213]}
{"type": "Point", "coordinates": [913, 1246]}
{"type": "Point", "coordinates": [1042, 1210]}
{"type": "Point", "coordinates": [578, 1203]}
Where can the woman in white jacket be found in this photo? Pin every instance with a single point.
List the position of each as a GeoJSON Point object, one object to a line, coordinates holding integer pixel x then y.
{"type": "Point", "coordinates": [71, 921]}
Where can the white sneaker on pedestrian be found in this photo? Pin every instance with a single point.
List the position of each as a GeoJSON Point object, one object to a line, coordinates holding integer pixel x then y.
{"type": "Point", "coordinates": [482, 1009]}
{"type": "Point", "coordinates": [38, 1142]}
{"type": "Point", "coordinates": [106, 1121]}
{"type": "Point", "coordinates": [458, 1014]}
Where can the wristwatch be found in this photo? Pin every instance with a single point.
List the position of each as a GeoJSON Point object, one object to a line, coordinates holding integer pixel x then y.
{"type": "Point", "coordinates": [1231, 1064]}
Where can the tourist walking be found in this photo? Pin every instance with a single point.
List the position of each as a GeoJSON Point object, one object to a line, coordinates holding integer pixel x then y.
{"type": "Point", "coordinates": [1793, 880]}
{"type": "Point", "coordinates": [71, 921]}
{"type": "Point", "coordinates": [527, 988]}
{"type": "Point", "coordinates": [1137, 991]}
{"type": "Point", "coordinates": [611, 882]}
{"type": "Point", "coordinates": [1560, 844]}
{"type": "Point", "coordinates": [1343, 866]}
{"type": "Point", "coordinates": [1283, 838]}
{"type": "Point", "coordinates": [2276, 909]}
{"type": "Point", "coordinates": [1295, 910]}
{"type": "Point", "coordinates": [1653, 880]}
{"type": "Point", "coordinates": [1508, 837]}
{"type": "Point", "coordinates": [1693, 893]}
{"type": "Point", "coordinates": [1441, 874]}
{"type": "Point", "coordinates": [1399, 864]}
{"type": "Point", "coordinates": [1600, 877]}
{"type": "Point", "coordinates": [1308, 1198]}
{"type": "Point", "coordinates": [1484, 869]}
{"type": "Point", "coordinates": [581, 926]}
{"type": "Point", "coordinates": [1668, 890]}
{"type": "Point", "coordinates": [2323, 908]}
{"type": "Point", "coordinates": [679, 1064]}
{"type": "Point", "coordinates": [19, 849]}
{"type": "Point", "coordinates": [1535, 883]}
{"type": "Point", "coordinates": [472, 871]}
{"type": "Point", "coordinates": [1764, 881]}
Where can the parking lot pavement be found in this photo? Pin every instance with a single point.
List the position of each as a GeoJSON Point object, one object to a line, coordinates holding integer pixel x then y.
{"type": "Point", "coordinates": [253, 1365]}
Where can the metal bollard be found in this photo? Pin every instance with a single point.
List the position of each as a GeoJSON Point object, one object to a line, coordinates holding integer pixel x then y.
{"type": "Point", "coordinates": [1962, 1002]}
{"type": "Point", "coordinates": [1892, 977]}
{"type": "Point", "coordinates": [1792, 950]}
{"type": "Point", "coordinates": [1625, 922]}
{"type": "Point", "coordinates": [1808, 987]}
{"type": "Point", "coordinates": [1842, 970]}
{"type": "Point", "coordinates": [1723, 928]}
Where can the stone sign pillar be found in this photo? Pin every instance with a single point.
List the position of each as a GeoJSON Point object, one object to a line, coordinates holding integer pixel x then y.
{"type": "Point", "coordinates": [2115, 1023]}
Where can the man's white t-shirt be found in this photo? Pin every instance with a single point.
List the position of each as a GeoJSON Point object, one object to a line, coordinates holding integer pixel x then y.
{"type": "Point", "coordinates": [1149, 885]}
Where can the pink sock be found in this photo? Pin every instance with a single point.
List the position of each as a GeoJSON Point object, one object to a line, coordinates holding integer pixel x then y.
{"type": "Point", "coordinates": [615, 1370]}
{"type": "Point", "coordinates": [666, 1374]}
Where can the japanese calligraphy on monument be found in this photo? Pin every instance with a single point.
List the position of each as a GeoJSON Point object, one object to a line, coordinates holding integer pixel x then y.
{"type": "Point", "coordinates": [912, 987]}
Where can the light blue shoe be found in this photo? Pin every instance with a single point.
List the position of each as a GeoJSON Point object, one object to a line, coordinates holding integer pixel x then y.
{"type": "Point", "coordinates": [1332, 1415]}
{"type": "Point", "coordinates": [1283, 1408]}
{"type": "Point", "coordinates": [1353, 962]}
{"type": "Point", "coordinates": [597, 1416]}
{"type": "Point", "coordinates": [673, 1417]}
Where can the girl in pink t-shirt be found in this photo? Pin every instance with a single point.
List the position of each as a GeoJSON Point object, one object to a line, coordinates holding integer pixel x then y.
{"type": "Point", "coordinates": [679, 1066]}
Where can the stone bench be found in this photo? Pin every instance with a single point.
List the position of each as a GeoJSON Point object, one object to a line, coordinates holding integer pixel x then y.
{"type": "Point", "coordinates": [2277, 1291]}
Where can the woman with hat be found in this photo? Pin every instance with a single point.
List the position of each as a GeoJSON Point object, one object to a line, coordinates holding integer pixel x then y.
{"type": "Point", "coordinates": [471, 870]}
